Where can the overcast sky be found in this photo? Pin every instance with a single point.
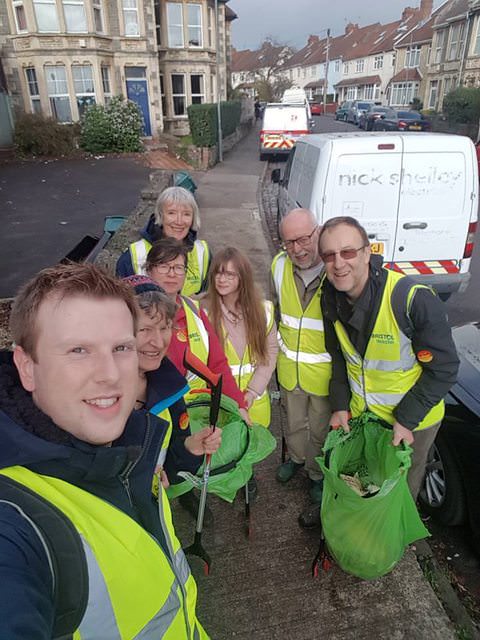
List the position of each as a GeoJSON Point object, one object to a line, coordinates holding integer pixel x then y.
{"type": "Point", "coordinates": [291, 21]}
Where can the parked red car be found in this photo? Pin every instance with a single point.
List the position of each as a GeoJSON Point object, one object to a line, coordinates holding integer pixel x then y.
{"type": "Point", "coordinates": [316, 108]}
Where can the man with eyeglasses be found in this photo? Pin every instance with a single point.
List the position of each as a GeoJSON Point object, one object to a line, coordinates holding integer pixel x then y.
{"type": "Point", "coordinates": [391, 346]}
{"type": "Point", "coordinates": [303, 364]}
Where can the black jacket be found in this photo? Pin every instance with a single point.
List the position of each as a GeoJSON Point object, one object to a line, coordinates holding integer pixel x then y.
{"type": "Point", "coordinates": [428, 328]}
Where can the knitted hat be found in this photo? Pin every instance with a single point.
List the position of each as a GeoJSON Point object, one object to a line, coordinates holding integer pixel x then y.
{"type": "Point", "coordinates": [142, 284]}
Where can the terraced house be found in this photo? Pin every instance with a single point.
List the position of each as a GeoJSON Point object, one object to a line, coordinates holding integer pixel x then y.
{"type": "Point", "coordinates": [60, 56]}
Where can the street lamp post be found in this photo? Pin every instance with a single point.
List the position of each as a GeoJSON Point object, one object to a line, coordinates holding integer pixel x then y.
{"type": "Point", "coordinates": [217, 65]}
{"type": "Point", "coordinates": [325, 80]}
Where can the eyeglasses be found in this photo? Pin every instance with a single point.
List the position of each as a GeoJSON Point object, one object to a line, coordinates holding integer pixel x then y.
{"type": "Point", "coordinates": [228, 275]}
{"type": "Point", "coordinates": [302, 241]}
{"type": "Point", "coordinates": [165, 269]}
{"type": "Point", "coordinates": [346, 254]}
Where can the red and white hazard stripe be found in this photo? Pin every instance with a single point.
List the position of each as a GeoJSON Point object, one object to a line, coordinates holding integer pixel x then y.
{"type": "Point", "coordinates": [424, 267]}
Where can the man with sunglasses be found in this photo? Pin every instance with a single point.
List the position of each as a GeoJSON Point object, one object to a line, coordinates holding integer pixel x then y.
{"type": "Point", "coordinates": [303, 364]}
{"type": "Point", "coordinates": [391, 346]}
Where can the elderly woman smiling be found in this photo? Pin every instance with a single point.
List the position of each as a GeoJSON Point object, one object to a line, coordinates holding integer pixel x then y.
{"type": "Point", "coordinates": [176, 216]}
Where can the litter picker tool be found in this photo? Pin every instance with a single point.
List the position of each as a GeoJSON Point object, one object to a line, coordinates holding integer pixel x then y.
{"type": "Point", "coordinates": [214, 382]}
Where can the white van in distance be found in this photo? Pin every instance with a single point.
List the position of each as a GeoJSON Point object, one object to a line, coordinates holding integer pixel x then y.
{"type": "Point", "coordinates": [416, 194]}
{"type": "Point", "coordinates": [282, 125]}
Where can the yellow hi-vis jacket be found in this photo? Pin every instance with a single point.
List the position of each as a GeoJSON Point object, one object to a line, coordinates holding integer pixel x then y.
{"type": "Point", "coordinates": [197, 263]}
{"type": "Point", "coordinates": [198, 342]}
{"type": "Point", "coordinates": [137, 591]}
{"type": "Point", "coordinates": [243, 369]}
{"type": "Point", "coordinates": [302, 360]}
{"type": "Point", "coordinates": [389, 368]}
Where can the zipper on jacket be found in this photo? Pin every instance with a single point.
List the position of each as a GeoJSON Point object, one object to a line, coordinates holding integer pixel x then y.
{"type": "Point", "coordinates": [125, 475]}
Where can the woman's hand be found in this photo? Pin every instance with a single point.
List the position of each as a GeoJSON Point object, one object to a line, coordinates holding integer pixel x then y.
{"type": "Point", "coordinates": [204, 441]}
{"type": "Point", "coordinates": [246, 417]}
{"type": "Point", "coordinates": [250, 397]}
{"type": "Point", "coordinates": [162, 476]}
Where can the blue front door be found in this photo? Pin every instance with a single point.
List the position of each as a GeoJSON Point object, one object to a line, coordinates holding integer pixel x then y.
{"type": "Point", "coordinates": [137, 91]}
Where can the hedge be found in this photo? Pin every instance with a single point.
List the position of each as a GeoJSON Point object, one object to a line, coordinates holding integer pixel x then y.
{"type": "Point", "coordinates": [203, 121]}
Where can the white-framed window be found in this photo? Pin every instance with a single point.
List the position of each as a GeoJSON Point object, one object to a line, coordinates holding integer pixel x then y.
{"type": "Point", "coordinates": [130, 17]}
{"type": "Point", "coordinates": [290, 73]}
{"type": "Point", "coordinates": [178, 94]}
{"type": "Point", "coordinates": [20, 16]}
{"type": "Point", "coordinates": [31, 77]}
{"type": "Point", "coordinates": [194, 25]}
{"type": "Point", "coordinates": [439, 46]}
{"type": "Point", "coordinates": [98, 15]}
{"type": "Point", "coordinates": [197, 88]}
{"type": "Point", "coordinates": [360, 66]}
{"type": "Point", "coordinates": [313, 71]}
{"type": "Point", "coordinates": [304, 72]}
{"type": "Point", "coordinates": [378, 62]}
{"type": "Point", "coordinates": [84, 86]}
{"type": "Point", "coordinates": [337, 66]}
{"type": "Point", "coordinates": [455, 41]}
{"type": "Point", "coordinates": [369, 91]}
{"type": "Point", "coordinates": [345, 68]}
{"type": "Point", "coordinates": [412, 58]}
{"type": "Point", "coordinates": [175, 24]}
{"type": "Point", "coordinates": [162, 95]}
{"type": "Point", "coordinates": [57, 90]}
{"type": "Point", "coordinates": [432, 97]}
{"type": "Point", "coordinates": [402, 93]}
{"type": "Point", "coordinates": [75, 16]}
{"type": "Point", "coordinates": [46, 15]}
{"type": "Point", "coordinates": [447, 85]}
{"type": "Point", "coordinates": [106, 86]}
{"type": "Point", "coordinates": [351, 93]}
{"type": "Point", "coordinates": [210, 23]}
{"type": "Point", "coordinates": [298, 72]}
{"type": "Point", "coordinates": [476, 46]}
{"type": "Point", "coordinates": [157, 10]}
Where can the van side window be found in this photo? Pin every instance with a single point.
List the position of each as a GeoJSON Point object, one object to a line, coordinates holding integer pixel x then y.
{"type": "Point", "coordinates": [306, 178]}
{"type": "Point", "coordinates": [288, 167]}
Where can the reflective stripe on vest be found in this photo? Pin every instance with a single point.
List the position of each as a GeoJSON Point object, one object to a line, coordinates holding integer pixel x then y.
{"type": "Point", "coordinates": [389, 369]}
{"type": "Point", "coordinates": [303, 360]}
{"type": "Point", "coordinates": [197, 263]}
{"type": "Point", "coordinates": [198, 340]}
{"type": "Point", "coordinates": [136, 589]}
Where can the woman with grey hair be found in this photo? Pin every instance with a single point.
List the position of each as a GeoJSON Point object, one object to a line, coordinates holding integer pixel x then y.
{"type": "Point", "coordinates": [176, 216]}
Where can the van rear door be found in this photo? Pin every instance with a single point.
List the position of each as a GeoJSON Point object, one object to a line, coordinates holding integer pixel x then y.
{"type": "Point", "coordinates": [436, 203]}
{"type": "Point", "coordinates": [363, 182]}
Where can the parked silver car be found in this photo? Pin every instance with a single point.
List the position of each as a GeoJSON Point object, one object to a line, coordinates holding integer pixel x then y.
{"type": "Point", "coordinates": [357, 108]}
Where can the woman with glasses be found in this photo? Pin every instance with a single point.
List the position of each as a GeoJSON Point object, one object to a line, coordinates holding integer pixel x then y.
{"type": "Point", "coordinates": [166, 265]}
{"type": "Point", "coordinates": [161, 387]}
{"type": "Point", "coordinates": [176, 216]}
{"type": "Point", "coordinates": [245, 323]}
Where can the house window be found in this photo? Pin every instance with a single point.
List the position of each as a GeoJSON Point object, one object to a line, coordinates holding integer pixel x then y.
{"type": "Point", "coordinates": [313, 71]}
{"type": "Point", "coordinates": [58, 93]}
{"type": "Point", "coordinates": [369, 91]}
{"type": "Point", "coordinates": [163, 96]}
{"type": "Point", "coordinates": [210, 23]}
{"type": "Point", "coordinates": [46, 14]}
{"type": "Point", "coordinates": [446, 86]}
{"type": "Point", "coordinates": [291, 74]}
{"type": "Point", "coordinates": [439, 46]}
{"type": "Point", "coordinates": [337, 66]}
{"type": "Point", "coordinates": [32, 83]}
{"type": "Point", "coordinates": [98, 15]}
{"type": "Point", "coordinates": [432, 98]}
{"type": "Point", "coordinates": [194, 22]}
{"type": "Point", "coordinates": [197, 88]}
{"type": "Point", "coordinates": [178, 94]}
{"type": "Point", "coordinates": [106, 86]}
{"type": "Point", "coordinates": [351, 93]}
{"type": "Point", "coordinates": [84, 87]}
{"type": "Point", "coordinates": [476, 46]}
{"type": "Point", "coordinates": [304, 70]}
{"type": "Point", "coordinates": [345, 68]}
{"type": "Point", "coordinates": [20, 16]}
{"type": "Point", "coordinates": [456, 41]}
{"type": "Point", "coordinates": [413, 57]}
{"type": "Point", "coordinates": [175, 24]}
{"type": "Point", "coordinates": [130, 17]}
{"type": "Point", "coordinates": [360, 65]}
{"type": "Point", "coordinates": [403, 93]}
{"type": "Point", "coordinates": [378, 62]}
{"type": "Point", "coordinates": [75, 16]}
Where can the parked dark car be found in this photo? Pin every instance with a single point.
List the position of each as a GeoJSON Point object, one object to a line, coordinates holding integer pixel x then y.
{"type": "Point", "coordinates": [402, 121]}
{"type": "Point", "coordinates": [367, 118]}
{"type": "Point", "coordinates": [316, 108]}
{"type": "Point", "coordinates": [450, 493]}
{"type": "Point", "coordinates": [357, 108]}
{"type": "Point", "coordinates": [342, 111]}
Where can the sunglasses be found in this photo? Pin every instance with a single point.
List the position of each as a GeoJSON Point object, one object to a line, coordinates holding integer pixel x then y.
{"type": "Point", "coordinates": [345, 254]}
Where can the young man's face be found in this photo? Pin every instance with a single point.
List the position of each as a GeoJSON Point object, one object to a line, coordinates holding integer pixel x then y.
{"type": "Point", "coordinates": [86, 369]}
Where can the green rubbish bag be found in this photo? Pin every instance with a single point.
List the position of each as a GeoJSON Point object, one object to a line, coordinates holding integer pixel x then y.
{"type": "Point", "coordinates": [241, 448]}
{"type": "Point", "coordinates": [367, 536]}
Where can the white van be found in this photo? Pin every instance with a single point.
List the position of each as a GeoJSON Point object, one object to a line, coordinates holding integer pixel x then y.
{"type": "Point", "coordinates": [296, 95]}
{"type": "Point", "coordinates": [416, 194]}
{"type": "Point", "coordinates": [282, 125]}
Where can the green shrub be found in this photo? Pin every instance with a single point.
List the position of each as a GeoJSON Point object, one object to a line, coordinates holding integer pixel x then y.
{"type": "Point", "coordinates": [462, 105]}
{"type": "Point", "coordinates": [116, 127]}
{"type": "Point", "coordinates": [41, 136]}
{"type": "Point", "coordinates": [204, 123]}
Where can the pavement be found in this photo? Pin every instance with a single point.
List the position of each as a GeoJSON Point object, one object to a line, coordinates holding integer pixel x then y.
{"type": "Point", "coordinates": [261, 587]}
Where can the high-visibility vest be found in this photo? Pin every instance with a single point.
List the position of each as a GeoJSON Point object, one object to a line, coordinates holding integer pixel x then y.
{"type": "Point", "coordinates": [136, 589]}
{"type": "Point", "coordinates": [243, 369]}
{"type": "Point", "coordinates": [389, 368]}
{"type": "Point", "coordinates": [198, 341]}
{"type": "Point", "coordinates": [303, 360]}
{"type": "Point", "coordinates": [197, 263]}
